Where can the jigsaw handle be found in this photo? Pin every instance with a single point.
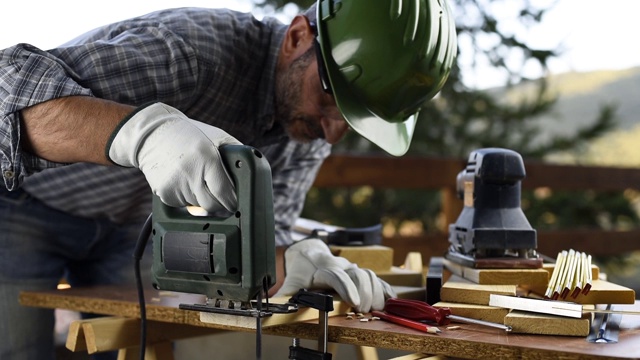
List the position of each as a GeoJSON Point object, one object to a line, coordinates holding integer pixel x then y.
{"type": "Point", "coordinates": [225, 258]}
{"type": "Point", "coordinates": [417, 310]}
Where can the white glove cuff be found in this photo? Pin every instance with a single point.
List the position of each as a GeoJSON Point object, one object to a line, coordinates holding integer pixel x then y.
{"type": "Point", "coordinates": [130, 134]}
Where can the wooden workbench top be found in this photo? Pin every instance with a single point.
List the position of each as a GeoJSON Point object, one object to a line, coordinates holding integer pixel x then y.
{"type": "Point", "coordinates": [470, 341]}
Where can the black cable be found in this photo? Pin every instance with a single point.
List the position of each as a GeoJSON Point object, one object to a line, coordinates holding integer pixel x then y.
{"type": "Point", "coordinates": [259, 328]}
{"type": "Point", "coordinates": [141, 244]}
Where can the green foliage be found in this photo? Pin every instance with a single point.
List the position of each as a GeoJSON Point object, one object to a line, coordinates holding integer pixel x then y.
{"type": "Point", "coordinates": [606, 210]}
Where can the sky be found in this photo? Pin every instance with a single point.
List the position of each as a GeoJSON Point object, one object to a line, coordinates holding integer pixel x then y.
{"type": "Point", "coordinates": [594, 34]}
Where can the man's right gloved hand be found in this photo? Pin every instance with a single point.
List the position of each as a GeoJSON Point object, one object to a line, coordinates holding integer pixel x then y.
{"type": "Point", "coordinates": [178, 156]}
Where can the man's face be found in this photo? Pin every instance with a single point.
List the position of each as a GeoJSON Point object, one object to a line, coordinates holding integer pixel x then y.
{"type": "Point", "coordinates": [302, 107]}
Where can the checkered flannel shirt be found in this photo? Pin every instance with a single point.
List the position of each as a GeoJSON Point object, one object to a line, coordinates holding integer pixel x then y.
{"type": "Point", "coordinates": [217, 66]}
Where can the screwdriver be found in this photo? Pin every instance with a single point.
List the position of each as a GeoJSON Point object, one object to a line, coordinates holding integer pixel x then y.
{"type": "Point", "coordinates": [420, 310]}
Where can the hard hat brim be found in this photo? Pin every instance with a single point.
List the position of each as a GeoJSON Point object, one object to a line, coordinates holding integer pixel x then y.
{"type": "Point", "coordinates": [391, 135]}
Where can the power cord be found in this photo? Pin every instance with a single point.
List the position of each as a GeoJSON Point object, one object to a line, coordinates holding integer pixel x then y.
{"type": "Point", "coordinates": [141, 244]}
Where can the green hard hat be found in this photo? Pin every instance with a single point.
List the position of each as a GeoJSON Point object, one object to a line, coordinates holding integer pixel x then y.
{"type": "Point", "coordinates": [384, 60]}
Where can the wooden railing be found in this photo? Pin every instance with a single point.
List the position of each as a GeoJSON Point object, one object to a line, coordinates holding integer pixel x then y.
{"type": "Point", "coordinates": [440, 174]}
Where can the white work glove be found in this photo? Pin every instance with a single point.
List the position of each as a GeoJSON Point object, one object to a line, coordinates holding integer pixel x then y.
{"type": "Point", "coordinates": [309, 264]}
{"type": "Point", "coordinates": [178, 156]}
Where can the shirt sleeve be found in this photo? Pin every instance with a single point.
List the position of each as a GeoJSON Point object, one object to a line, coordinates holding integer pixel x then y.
{"type": "Point", "coordinates": [28, 76]}
{"type": "Point", "coordinates": [293, 175]}
{"type": "Point", "coordinates": [131, 63]}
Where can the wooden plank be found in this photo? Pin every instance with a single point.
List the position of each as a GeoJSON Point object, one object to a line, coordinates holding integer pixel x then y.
{"type": "Point", "coordinates": [247, 322]}
{"type": "Point", "coordinates": [578, 177]}
{"type": "Point", "coordinates": [410, 292]}
{"type": "Point", "coordinates": [604, 292]}
{"type": "Point", "coordinates": [377, 258]}
{"type": "Point", "coordinates": [413, 262]}
{"type": "Point", "coordinates": [420, 356]}
{"type": "Point", "coordinates": [162, 351]}
{"type": "Point", "coordinates": [550, 307]}
{"type": "Point", "coordinates": [409, 172]}
{"type": "Point", "coordinates": [303, 314]}
{"type": "Point", "coordinates": [601, 292]}
{"type": "Point", "coordinates": [532, 323]}
{"type": "Point", "coordinates": [460, 290]}
{"type": "Point", "coordinates": [75, 337]}
{"type": "Point", "coordinates": [402, 277]}
{"type": "Point", "coordinates": [113, 333]}
{"type": "Point", "coordinates": [523, 322]}
{"type": "Point", "coordinates": [479, 312]}
{"type": "Point", "coordinates": [474, 342]}
{"type": "Point", "coordinates": [366, 353]}
{"type": "Point", "coordinates": [388, 172]}
{"type": "Point", "coordinates": [533, 277]}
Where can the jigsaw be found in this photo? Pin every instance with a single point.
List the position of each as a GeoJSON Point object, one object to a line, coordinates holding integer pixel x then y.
{"type": "Point", "coordinates": [492, 230]}
{"type": "Point", "coordinates": [230, 259]}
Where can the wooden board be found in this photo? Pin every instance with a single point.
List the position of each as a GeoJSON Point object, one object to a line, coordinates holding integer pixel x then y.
{"type": "Point", "coordinates": [303, 314]}
{"type": "Point", "coordinates": [375, 257]}
{"type": "Point", "coordinates": [532, 323]}
{"type": "Point", "coordinates": [472, 342]}
{"type": "Point", "coordinates": [602, 292]}
{"type": "Point", "coordinates": [530, 277]}
{"type": "Point", "coordinates": [420, 357]}
{"type": "Point", "coordinates": [402, 277]}
{"type": "Point", "coordinates": [460, 290]}
{"type": "Point", "coordinates": [114, 333]}
{"type": "Point", "coordinates": [245, 322]}
{"type": "Point", "coordinates": [551, 307]}
{"type": "Point", "coordinates": [479, 312]}
{"type": "Point", "coordinates": [521, 321]}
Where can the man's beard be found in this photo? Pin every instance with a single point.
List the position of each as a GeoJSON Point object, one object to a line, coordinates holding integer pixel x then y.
{"type": "Point", "coordinates": [288, 98]}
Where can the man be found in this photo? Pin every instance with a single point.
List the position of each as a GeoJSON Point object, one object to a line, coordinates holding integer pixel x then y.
{"type": "Point", "coordinates": [87, 128]}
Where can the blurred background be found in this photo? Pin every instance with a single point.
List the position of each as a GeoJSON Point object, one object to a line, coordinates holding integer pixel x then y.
{"type": "Point", "coordinates": [557, 81]}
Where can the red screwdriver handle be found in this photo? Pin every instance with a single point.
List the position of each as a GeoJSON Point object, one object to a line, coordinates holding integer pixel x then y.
{"type": "Point", "coordinates": [417, 310]}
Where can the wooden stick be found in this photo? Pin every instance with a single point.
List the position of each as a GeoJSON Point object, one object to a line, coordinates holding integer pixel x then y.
{"type": "Point", "coordinates": [561, 270]}
{"type": "Point", "coordinates": [567, 276]}
{"type": "Point", "coordinates": [589, 281]}
{"type": "Point", "coordinates": [555, 274]}
{"type": "Point", "coordinates": [577, 276]}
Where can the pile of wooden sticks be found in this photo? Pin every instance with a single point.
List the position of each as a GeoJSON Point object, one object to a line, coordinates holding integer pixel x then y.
{"type": "Point", "coordinates": [571, 276]}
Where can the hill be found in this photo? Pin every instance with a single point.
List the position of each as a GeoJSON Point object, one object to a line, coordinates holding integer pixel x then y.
{"type": "Point", "coordinates": [580, 97]}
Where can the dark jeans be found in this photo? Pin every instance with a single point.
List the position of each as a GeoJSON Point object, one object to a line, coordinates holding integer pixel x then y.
{"type": "Point", "coordinates": [38, 247]}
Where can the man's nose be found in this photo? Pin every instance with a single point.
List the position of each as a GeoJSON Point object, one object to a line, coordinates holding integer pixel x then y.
{"type": "Point", "coordinates": [334, 129]}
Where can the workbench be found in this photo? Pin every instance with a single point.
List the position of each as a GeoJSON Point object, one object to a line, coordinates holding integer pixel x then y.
{"type": "Point", "coordinates": [471, 341]}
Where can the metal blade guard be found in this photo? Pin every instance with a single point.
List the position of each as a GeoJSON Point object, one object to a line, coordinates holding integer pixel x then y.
{"type": "Point", "coordinates": [492, 230]}
{"type": "Point", "coordinates": [226, 258]}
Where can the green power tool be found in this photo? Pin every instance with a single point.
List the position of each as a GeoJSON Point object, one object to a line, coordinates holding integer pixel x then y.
{"type": "Point", "coordinates": [230, 259]}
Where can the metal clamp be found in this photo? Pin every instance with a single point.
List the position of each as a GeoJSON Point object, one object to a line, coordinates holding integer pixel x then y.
{"type": "Point", "coordinates": [324, 304]}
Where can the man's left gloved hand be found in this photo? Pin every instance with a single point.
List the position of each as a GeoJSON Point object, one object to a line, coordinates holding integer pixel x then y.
{"type": "Point", "coordinates": [309, 264]}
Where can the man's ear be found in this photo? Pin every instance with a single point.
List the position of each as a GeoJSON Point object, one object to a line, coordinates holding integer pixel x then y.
{"type": "Point", "coordinates": [298, 39]}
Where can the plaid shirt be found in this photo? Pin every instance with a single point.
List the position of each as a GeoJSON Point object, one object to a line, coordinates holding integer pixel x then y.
{"type": "Point", "coordinates": [215, 65]}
